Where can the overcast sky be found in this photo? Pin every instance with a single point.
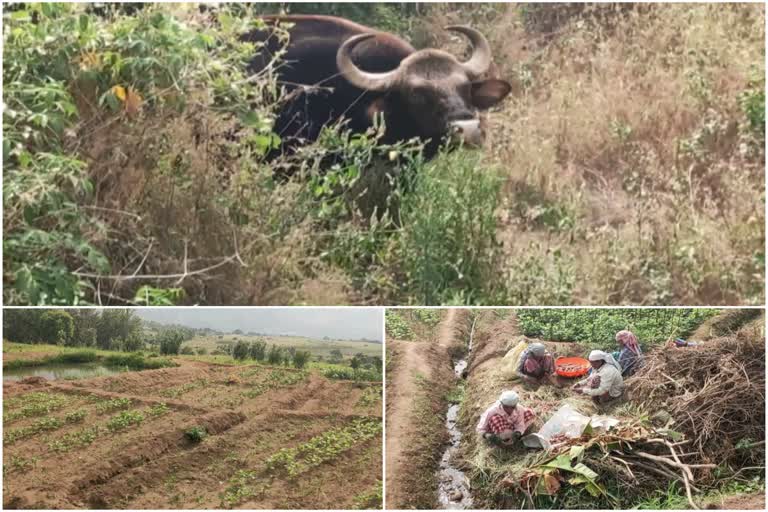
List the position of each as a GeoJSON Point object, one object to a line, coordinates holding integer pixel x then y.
{"type": "Point", "coordinates": [340, 323]}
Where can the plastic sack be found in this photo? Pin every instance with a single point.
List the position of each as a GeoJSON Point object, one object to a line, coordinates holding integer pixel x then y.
{"type": "Point", "coordinates": [566, 420]}
{"type": "Point", "coordinates": [511, 359]}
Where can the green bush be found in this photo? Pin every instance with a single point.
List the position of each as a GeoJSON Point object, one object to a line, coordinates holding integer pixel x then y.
{"type": "Point", "coordinates": [137, 361]}
{"type": "Point", "coordinates": [396, 325]}
{"type": "Point", "coordinates": [80, 356]}
{"type": "Point", "coordinates": [196, 434]}
{"type": "Point", "coordinates": [67, 68]}
{"type": "Point", "coordinates": [347, 373]}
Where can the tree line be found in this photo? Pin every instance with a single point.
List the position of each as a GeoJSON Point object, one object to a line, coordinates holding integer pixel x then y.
{"type": "Point", "coordinates": [276, 355]}
{"type": "Point", "coordinates": [109, 329]}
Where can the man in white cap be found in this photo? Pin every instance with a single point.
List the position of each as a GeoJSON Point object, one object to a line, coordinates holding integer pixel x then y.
{"type": "Point", "coordinates": [605, 383]}
{"type": "Point", "coordinates": [537, 365]}
{"type": "Point", "coordinates": [506, 420]}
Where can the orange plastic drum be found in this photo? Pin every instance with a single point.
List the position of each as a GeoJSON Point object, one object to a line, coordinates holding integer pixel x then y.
{"type": "Point", "coordinates": [571, 366]}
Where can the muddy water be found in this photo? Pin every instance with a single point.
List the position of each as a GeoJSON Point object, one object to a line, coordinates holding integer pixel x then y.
{"type": "Point", "coordinates": [453, 490]}
{"type": "Point", "coordinates": [60, 371]}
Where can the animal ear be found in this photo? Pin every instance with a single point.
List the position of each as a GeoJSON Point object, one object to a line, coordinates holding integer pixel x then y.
{"type": "Point", "coordinates": [489, 92]}
{"type": "Point", "coordinates": [377, 106]}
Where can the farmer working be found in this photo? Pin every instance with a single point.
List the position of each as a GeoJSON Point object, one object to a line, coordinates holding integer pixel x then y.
{"type": "Point", "coordinates": [505, 421]}
{"type": "Point", "coordinates": [605, 382]}
{"type": "Point", "coordinates": [536, 365]}
{"type": "Point", "coordinates": [630, 357]}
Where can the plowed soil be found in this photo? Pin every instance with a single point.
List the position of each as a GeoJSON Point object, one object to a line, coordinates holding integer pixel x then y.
{"type": "Point", "coordinates": [249, 414]}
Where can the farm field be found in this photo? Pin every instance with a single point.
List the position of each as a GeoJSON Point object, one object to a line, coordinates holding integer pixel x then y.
{"type": "Point", "coordinates": [690, 425]}
{"type": "Point", "coordinates": [197, 436]}
{"type": "Point", "coordinates": [318, 347]}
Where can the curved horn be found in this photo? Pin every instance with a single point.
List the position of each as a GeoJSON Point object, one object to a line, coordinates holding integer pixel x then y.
{"type": "Point", "coordinates": [378, 82]}
{"type": "Point", "coordinates": [480, 60]}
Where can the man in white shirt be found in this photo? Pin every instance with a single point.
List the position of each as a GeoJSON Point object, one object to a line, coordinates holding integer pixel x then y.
{"type": "Point", "coordinates": [605, 383]}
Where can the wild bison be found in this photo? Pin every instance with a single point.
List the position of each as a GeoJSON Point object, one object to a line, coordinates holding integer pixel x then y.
{"type": "Point", "coordinates": [334, 68]}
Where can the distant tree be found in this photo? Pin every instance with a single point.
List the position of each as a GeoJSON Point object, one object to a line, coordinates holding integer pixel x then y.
{"type": "Point", "coordinates": [186, 350]}
{"type": "Point", "coordinates": [133, 343]}
{"type": "Point", "coordinates": [241, 350]}
{"type": "Point", "coordinates": [86, 323]}
{"type": "Point", "coordinates": [116, 323]}
{"type": "Point", "coordinates": [22, 325]}
{"type": "Point", "coordinates": [275, 355]}
{"type": "Point", "coordinates": [237, 331]}
{"type": "Point", "coordinates": [355, 362]}
{"type": "Point", "coordinates": [170, 341]}
{"type": "Point", "coordinates": [201, 351]}
{"type": "Point", "coordinates": [336, 356]}
{"type": "Point", "coordinates": [301, 358]}
{"type": "Point", "coordinates": [57, 326]}
{"type": "Point", "coordinates": [259, 350]}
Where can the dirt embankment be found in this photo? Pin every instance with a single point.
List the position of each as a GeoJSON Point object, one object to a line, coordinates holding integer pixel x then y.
{"type": "Point", "coordinates": [421, 375]}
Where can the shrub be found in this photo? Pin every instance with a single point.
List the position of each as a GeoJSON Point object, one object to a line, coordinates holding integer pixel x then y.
{"type": "Point", "coordinates": [187, 350]}
{"type": "Point", "coordinates": [170, 341]}
{"type": "Point", "coordinates": [301, 358]}
{"type": "Point", "coordinates": [258, 350]}
{"type": "Point", "coordinates": [241, 350]}
{"type": "Point", "coordinates": [196, 434]}
{"type": "Point", "coordinates": [80, 356]}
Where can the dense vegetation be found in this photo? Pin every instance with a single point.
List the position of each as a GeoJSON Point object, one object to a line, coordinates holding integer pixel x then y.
{"type": "Point", "coordinates": [108, 329]}
{"type": "Point", "coordinates": [627, 168]}
{"type": "Point", "coordinates": [599, 326]}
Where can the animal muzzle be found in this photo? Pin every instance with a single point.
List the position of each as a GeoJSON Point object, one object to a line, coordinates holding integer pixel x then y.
{"type": "Point", "coordinates": [467, 132]}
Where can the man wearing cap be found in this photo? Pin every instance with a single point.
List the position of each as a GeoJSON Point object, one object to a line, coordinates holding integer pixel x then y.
{"type": "Point", "coordinates": [605, 383]}
{"type": "Point", "coordinates": [505, 421]}
{"type": "Point", "coordinates": [536, 365]}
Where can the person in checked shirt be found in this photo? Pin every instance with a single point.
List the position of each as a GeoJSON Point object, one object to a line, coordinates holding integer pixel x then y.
{"type": "Point", "coordinates": [505, 421]}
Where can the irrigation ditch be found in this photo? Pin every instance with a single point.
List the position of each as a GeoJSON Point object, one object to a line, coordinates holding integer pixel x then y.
{"type": "Point", "coordinates": [454, 490]}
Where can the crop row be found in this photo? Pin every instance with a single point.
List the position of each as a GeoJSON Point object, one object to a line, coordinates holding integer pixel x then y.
{"type": "Point", "coordinates": [82, 437]}
{"type": "Point", "coordinates": [185, 388]}
{"type": "Point", "coordinates": [370, 396]}
{"type": "Point", "coordinates": [33, 404]}
{"type": "Point", "coordinates": [322, 448]}
{"type": "Point", "coordinates": [274, 380]}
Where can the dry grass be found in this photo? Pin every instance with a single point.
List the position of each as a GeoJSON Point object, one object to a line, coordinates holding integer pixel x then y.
{"type": "Point", "coordinates": [625, 149]}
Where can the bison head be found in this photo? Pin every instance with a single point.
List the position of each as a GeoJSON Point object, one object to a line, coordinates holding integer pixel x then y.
{"type": "Point", "coordinates": [431, 91]}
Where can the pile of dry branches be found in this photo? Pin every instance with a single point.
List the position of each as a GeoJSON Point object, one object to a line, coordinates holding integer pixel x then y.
{"type": "Point", "coordinates": [714, 394]}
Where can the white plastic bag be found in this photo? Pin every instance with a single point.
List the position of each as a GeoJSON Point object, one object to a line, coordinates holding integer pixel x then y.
{"type": "Point", "coordinates": [566, 420]}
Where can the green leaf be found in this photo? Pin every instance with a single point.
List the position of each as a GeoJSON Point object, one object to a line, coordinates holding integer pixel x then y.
{"type": "Point", "coordinates": [576, 451]}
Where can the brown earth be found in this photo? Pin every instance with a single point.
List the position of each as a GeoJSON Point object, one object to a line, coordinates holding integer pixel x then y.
{"type": "Point", "coordinates": [754, 501]}
{"type": "Point", "coordinates": [154, 465]}
{"type": "Point", "coordinates": [420, 374]}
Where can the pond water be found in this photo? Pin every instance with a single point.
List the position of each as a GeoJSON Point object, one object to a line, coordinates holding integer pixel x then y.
{"type": "Point", "coordinates": [62, 371]}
